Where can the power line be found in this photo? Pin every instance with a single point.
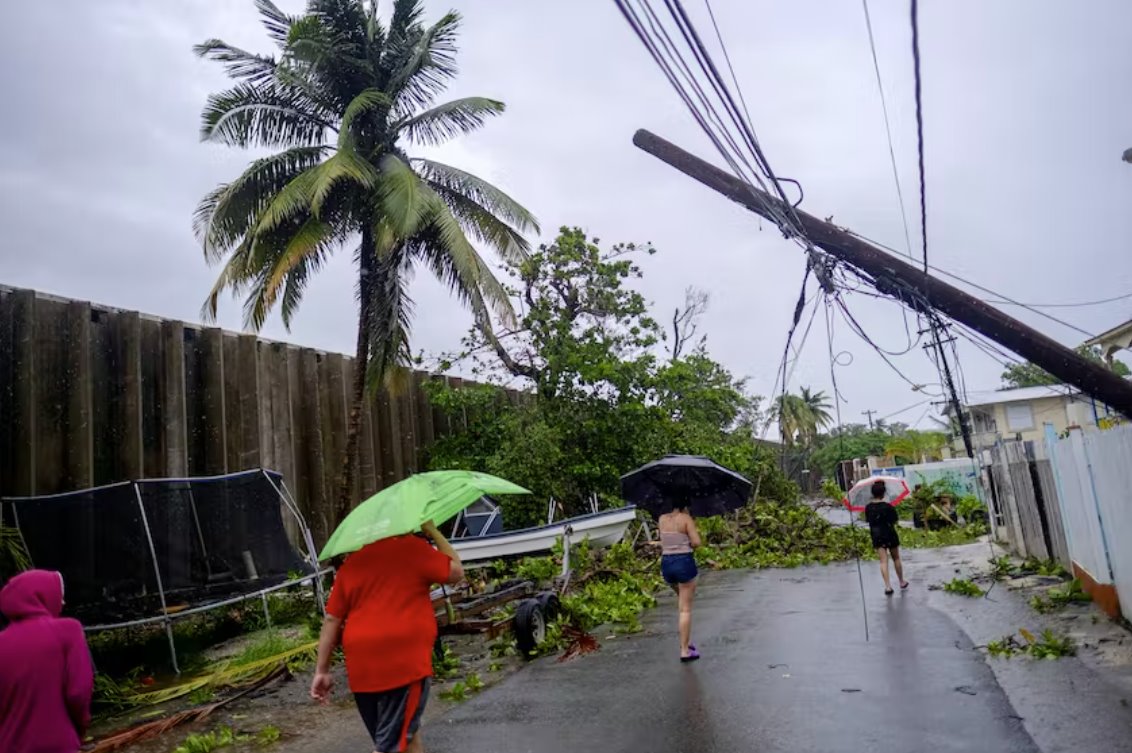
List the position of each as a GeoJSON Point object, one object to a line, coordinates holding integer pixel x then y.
{"type": "Point", "coordinates": [903, 410]}
{"type": "Point", "coordinates": [1064, 305]}
{"type": "Point", "coordinates": [841, 434]}
{"type": "Point", "coordinates": [887, 127]}
{"type": "Point", "coordinates": [982, 288]}
{"type": "Point", "coordinates": [920, 128]}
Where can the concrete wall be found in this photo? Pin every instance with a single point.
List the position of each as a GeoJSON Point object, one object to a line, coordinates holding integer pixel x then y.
{"type": "Point", "coordinates": [91, 395]}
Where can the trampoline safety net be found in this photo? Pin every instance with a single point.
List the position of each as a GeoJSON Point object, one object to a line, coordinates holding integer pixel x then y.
{"type": "Point", "coordinates": [211, 538]}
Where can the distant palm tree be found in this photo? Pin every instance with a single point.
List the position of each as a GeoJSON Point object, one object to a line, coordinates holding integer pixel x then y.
{"type": "Point", "coordinates": [340, 102]}
{"type": "Point", "coordinates": [818, 405]}
{"type": "Point", "coordinates": [801, 417]}
{"type": "Point", "coordinates": [793, 417]}
{"type": "Point", "coordinates": [917, 446]}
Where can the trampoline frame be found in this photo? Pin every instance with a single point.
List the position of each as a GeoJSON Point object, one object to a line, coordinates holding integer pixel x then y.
{"type": "Point", "coordinates": [166, 618]}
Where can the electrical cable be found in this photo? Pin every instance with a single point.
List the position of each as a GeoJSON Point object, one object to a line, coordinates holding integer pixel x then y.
{"type": "Point", "coordinates": [977, 286]}
{"type": "Point", "coordinates": [887, 127]}
{"type": "Point", "coordinates": [920, 127]}
{"type": "Point", "coordinates": [841, 435]}
{"type": "Point", "coordinates": [733, 160]}
{"type": "Point", "coordinates": [1082, 304]}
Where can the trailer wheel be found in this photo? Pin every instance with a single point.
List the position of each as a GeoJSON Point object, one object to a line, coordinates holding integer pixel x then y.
{"type": "Point", "coordinates": [551, 606]}
{"type": "Point", "coordinates": [529, 626]}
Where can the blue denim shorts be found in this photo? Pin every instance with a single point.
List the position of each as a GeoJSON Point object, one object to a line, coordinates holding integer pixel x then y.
{"type": "Point", "coordinates": [678, 568]}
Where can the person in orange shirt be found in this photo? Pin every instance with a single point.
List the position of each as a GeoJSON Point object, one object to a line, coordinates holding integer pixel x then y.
{"type": "Point", "coordinates": [381, 611]}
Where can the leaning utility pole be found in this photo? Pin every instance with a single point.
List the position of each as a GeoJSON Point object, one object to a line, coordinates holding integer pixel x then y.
{"type": "Point", "coordinates": [869, 413]}
{"type": "Point", "coordinates": [949, 385]}
{"type": "Point", "coordinates": [893, 275]}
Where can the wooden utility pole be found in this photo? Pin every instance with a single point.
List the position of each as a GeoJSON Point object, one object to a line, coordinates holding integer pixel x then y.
{"type": "Point", "coordinates": [869, 413]}
{"type": "Point", "coordinates": [893, 275]}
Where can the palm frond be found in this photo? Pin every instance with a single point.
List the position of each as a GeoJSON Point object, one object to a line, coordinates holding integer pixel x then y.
{"type": "Point", "coordinates": [275, 22]}
{"type": "Point", "coordinates": [263, 114]}
{"type": "Point", "coordinates": [407, 14]}
{"type": "Point", "coordinates": [469, 272]}
{"type": "Point", "coordinates": [479, 191]}
{"type": "Point", "coordinates": [239, 64]}
{"type": "Point", "coordinates": [311, 238]}
{"type": "Point", "coordinates": [345, 165]}
{"type": "Point", "coordinates": [482, 225]}
{"type": "Point", "coordinates": [233, 277]}
{"type": "Point", "coordinates": [404, 197]}
{"type": "Point", "coordinates": [296, 285]}
{"type": "Point", "coordinates": [444, 122]}
{"type": "Point", "coordinates": [227, 213]}
{"type": "Point", "coordinates": [390, 315]}
{"type": "Point", "coordinates": [367, 101]}
{"type": "Point", "coordinates": [293, 198]}
{"type": "Point", "coordinates": [421, 66]}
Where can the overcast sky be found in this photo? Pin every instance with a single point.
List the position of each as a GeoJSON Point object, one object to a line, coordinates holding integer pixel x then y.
{"type": "Point", "coordinates": [1027, 111]}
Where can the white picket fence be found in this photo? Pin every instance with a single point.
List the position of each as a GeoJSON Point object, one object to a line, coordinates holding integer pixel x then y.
{"type": "Point", "coordinates": [1093, 473]}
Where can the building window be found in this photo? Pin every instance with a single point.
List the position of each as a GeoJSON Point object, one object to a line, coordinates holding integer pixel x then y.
{"type": "Point", "coordinates": [1019, 417]}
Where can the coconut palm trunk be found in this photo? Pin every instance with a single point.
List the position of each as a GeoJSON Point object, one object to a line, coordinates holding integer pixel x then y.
{"type": "Point", "coordinates": [366, 256]}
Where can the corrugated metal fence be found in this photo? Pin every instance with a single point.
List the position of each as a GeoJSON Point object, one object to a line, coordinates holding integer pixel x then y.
{"type": "Point", "coordinates": [1068, 498]}
{"type": "Point", "coordinates": [1094, 477]}
{"type": "Point", "coordinates": [91, 395]}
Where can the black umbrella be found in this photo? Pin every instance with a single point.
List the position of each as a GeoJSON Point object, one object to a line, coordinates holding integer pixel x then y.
{"type": "Point", "coordinates": [706, 487]}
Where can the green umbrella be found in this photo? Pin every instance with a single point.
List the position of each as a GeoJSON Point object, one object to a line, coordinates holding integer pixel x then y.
{"type": "Point", "coordinates": [407, 505]}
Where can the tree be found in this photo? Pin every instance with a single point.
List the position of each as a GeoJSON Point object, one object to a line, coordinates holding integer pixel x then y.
{"type": "Point", "coordinates": [916, 446]}
{"type": "Point", "coordinates": [601, 402]}
{"type": "Point", "coordinates": [686, 321]}
{"type": "Point", "coordinates": [849, 442]}
{"type": "Point", "coordinates": [1030, 375]}
{"type": "Point", "coordinates": [801, 417]}
{"type": "Point", "coordinates": [344, 97]}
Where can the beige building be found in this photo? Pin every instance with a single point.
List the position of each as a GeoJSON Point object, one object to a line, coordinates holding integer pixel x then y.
{"type": "Point", "coordinates": [1117, 338]}
{"type": "Point", "coordinates": [1023, 413]}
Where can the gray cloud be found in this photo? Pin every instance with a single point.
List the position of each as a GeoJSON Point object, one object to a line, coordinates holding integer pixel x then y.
{"type": "Point", "coordinates": [1027, 116]}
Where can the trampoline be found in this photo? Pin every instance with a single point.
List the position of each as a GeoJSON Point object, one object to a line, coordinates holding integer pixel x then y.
{"type": "Point", "coordinates": [157, 550]}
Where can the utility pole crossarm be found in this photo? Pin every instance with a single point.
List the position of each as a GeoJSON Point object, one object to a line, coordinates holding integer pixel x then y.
{"type": "Point", "coordinates": [893, 274]}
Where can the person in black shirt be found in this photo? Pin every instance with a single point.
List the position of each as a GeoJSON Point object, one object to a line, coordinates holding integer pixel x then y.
{"type": "Point", "coordinates": [882, 519]}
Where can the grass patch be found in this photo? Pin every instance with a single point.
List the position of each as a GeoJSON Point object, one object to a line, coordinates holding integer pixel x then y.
{"type": "Point", "coordinates": [206, 742]}
{"type": "Point", "coordinates": [1049, 645]}
{"type": "Point", "coordinates": [268, 735]}
{"type": "Point", "coordinates": [271, 644]}
{"type": "Point", "coordinates": [1057, 598]}
{"type": "Point", "coordinates": [963, 587]}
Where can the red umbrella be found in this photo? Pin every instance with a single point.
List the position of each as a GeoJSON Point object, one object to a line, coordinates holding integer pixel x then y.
{"type": "Point", "coordinates": [895, 490]}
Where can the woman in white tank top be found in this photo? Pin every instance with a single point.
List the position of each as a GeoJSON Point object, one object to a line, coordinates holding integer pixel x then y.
{"type": "Point", "coordinates": [678, 538]}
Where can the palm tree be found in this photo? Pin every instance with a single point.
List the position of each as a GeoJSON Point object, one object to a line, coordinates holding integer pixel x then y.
{"type": "Point", "coordinates": [792, 415]}
{"type": "Point", "coordinates": [817, 406]}
{"type": "Point", "coordinates": [917, 446]}
{"type": "Point", "coordinates": [339, 104]}
{"type": "Point", "coordinates": [802, 416]}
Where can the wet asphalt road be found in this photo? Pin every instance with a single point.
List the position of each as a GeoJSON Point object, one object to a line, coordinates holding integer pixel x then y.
{"type": "Point", "coordinates": [785, 668]}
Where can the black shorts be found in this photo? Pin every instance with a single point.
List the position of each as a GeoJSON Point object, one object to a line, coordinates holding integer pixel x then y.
{"type": "Point", "coordinates": [393, 717]}
{"type": "Point", "coordinates": [884, 538]}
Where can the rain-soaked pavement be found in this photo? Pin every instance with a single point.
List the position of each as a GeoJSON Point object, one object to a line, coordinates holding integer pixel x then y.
{"type": "Point", "coordinates": [785, 668]}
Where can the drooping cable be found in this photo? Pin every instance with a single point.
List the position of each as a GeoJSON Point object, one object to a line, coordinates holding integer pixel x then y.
{"type": "Point", "coordinates": [887, 127]}
{"type": "Point", "coordinates": [920, 128]}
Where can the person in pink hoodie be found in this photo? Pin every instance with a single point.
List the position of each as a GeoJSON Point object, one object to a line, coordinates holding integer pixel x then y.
{"type": "Point", "coordinates": [46, 677]}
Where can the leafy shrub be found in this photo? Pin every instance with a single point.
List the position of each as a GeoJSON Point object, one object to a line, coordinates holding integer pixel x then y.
{"type": "Point", "coordinates": [1049, 646]}
{"type": "Point", "coordinates": [445, 663]}
{"type": "Point", "coordinates": [963, 587]}
{"type": "Point", "coordinates": [209, 741]}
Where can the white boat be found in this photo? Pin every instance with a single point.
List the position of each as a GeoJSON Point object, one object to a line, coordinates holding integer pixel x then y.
{"type": "Point", "coordinates": [603, 529]}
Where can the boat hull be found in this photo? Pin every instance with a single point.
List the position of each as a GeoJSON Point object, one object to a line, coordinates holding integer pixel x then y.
{"type": "Point", "coordinates": [603, 529]}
